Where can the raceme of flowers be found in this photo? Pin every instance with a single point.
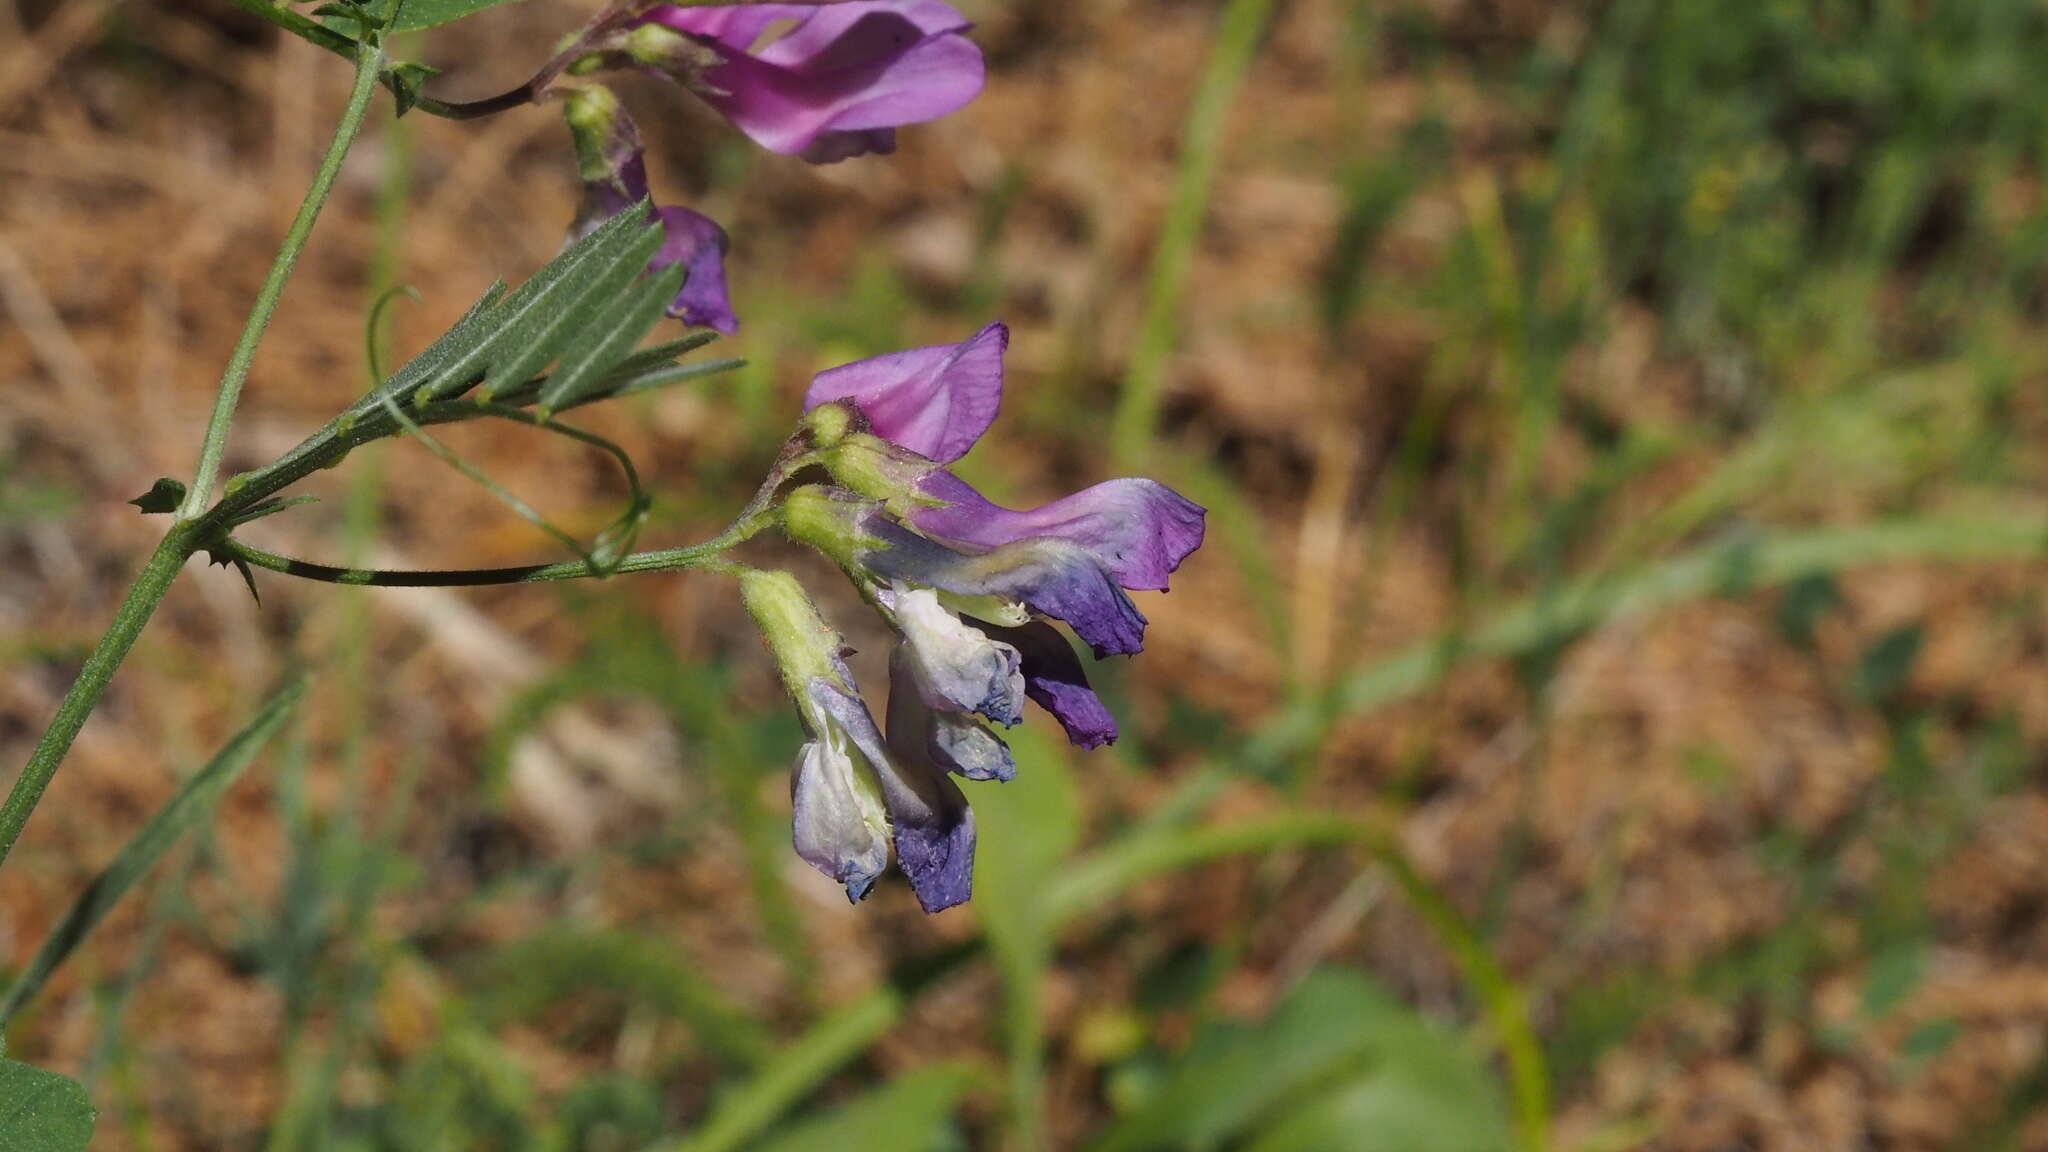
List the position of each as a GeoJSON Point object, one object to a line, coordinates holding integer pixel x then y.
{"type": "Point", "coordinates": [973, 592]}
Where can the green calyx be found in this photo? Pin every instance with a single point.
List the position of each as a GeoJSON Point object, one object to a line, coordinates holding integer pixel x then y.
{"type": "Point", "coordinates": [665, 48]}
{"type": "Point", "coordinates": [593, 116]}
{"type": "Point", "coordinates": [827, 425]}
{"type": "Point", "coordinates": [827, 519]}
{"type": "Point", "coordinates": [804, 646]}
{"type": "Point", "coordinates": [881, 471]}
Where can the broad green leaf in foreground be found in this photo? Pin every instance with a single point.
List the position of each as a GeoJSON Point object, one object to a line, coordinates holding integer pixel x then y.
{"type": "Point", "coordinates": [42, 1111]}
{"type": "Point", "coordinates": [1340, 1066]}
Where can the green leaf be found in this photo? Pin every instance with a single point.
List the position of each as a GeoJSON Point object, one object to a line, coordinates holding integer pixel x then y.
{"type": "Point", "coordinates": [163, 496]}
{"type": "Point", "coordinates": [906, 1115]}
{"type": "Point", "coordinates": [512, 324]}
{"type": "Point", "coordinates": [1340, 1048]}
{"type": "Point", "coordinates": [1884, 668]}
{"type": "Point", "coordinates": [405, 79]}
{"type": "Point", "coordinates": [42, 1111]}
{"type": "Point", "coordinates": [462, 336]}
{"type": "Point", "coordinates": [434, 13]}
{"type": "Point", "coordinates": [660, 354]}
{"type": "Point", "coordinates": [192, 805]}
{"type": "Point", "coordinates": [610, 337]}
{"type": "Point", "coordinates": [661, 376]}
{"type": "Point", "coordinates": [1423, 1103]}
{"type": "Point", "coordinates": [584, 304]}
{"type": "Point", "coordinates": [1894, 972]}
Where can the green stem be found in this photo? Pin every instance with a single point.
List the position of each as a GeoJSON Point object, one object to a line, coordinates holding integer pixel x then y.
{"type": "Point", "coordinates": [194, 525]}
{"type": "Point", "coordinates": [143, 597]}
{"type": "Point", "coordinates": [368, 58]}
{"type": "Point", "coordinates": [706, 556]}
{"type": "Point", "coordinates": [314, 32]}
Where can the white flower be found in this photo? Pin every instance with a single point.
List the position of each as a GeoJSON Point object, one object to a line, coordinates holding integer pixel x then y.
{"type": "Point", "coordinates": [956, 666]}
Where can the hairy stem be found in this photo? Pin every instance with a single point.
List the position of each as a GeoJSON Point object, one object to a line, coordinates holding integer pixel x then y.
{"type": "Point", "coordinates": [369, 56]}
{"type": "Point", "coordinates": [143, 597]}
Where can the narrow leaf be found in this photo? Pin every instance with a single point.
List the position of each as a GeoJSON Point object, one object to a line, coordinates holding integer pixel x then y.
{"type": "Point", "coordinates": [42, 1111]}
{"type": "Point", "coordinates": [462, 336]}
{"type": "Point", "coordinates": [664, 352]}
{"type": "Point", "coordinates": [610, 338]}
{"type": "Point", "coordinates": [793, 1073]}
{"type": "Point", "coordinates": [565, 274]}
{"type": "Point", "coordinates": [433, 13]}
{"type": "Point", "coordinates": [660, 376]}
{"type": "Point", "coordinates": [1338, 1036]}
{"type": "Point", "coordinates": [191, 806]}
{"type": "Point", "coordinates": [542, 333]}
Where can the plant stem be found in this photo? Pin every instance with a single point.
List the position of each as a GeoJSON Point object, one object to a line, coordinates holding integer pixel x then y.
{"type": "Point", "coordinates": [143, 597]}
{"type": "Point", "coordinates": [705, 556]}
{"type": "Point", "coordinates": [194, 524]}
{"type": "Point", "coordinates": [369, 56]}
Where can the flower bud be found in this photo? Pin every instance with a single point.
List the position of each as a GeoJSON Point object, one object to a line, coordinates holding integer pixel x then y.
{"type": "Point", "coordinates": [828, 424]}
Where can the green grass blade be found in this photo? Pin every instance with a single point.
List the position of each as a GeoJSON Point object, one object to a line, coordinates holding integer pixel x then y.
{"type": "Point", "coordinates": [794, 1072]}
{"type": "Point", "coordinates": [1137, 407]}
{"type": "Point", "coordinates": [192, 805]}
{"type": "Point", "coordinates": [1737, 565]}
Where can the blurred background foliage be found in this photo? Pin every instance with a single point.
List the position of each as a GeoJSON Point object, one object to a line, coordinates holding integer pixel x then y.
{"type": "Point", "coordinates": [1609, 713]}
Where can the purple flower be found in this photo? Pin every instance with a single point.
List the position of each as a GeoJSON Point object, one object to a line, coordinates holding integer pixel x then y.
{"type": "Point", "coordinates": [838, 79]}
{"type": "Point", "coordinates": [1055, 681]}
{"type": "Point", "coordinates": [614, 170]}
{"type": "Point", "coordinates": [934, 401]}
{"type": "Point", "coordinates": [852, 792]}
{"type": "Point", "coordinates": [1071, 560]}
{"type": "Point", "coordinates": [1138, 530]}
